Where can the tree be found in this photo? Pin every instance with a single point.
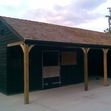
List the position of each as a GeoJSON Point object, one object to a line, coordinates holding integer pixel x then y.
{"type": "Point", "coordinates": [109, 21]}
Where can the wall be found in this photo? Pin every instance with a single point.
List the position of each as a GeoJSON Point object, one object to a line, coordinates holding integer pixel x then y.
{"type": "Point", "coordinates": [15, 70]}
{"type": "Point", "coordinates": [6, 36]}
{"type": "Point", "coordinates": [71, 74]}
{"type": "Point", "coordinates": [35, 75]}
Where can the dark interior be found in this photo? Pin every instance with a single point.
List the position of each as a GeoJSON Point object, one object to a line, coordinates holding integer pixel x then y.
{"type": "Point", "coordinates": [95, 63]}
{"type": "Point", "coordinates": [109, 63]}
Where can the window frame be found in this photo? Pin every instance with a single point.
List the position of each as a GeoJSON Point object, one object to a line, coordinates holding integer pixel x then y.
{"type": "Point", "coordinates": [44, 67]}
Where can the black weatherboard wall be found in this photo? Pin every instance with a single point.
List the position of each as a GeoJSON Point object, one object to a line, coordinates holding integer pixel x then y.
{"type": "Point", "coordinates": [71, 74]}
{"type": "Point", "coordinates": [15, 70]}
{"type": "Point", "coordinates": [35, 75]}
{"type": "Point", "coordinates": [6, 36]}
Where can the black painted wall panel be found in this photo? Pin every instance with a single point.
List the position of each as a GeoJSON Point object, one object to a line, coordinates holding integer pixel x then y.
{"type": "Point", "coordinates": [5, 38]}
{"type": "Point", "coordinates": [71, 74]}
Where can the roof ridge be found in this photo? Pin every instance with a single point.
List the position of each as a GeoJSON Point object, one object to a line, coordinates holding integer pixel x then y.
{"type": "Point", "coordinates": [51, 24]}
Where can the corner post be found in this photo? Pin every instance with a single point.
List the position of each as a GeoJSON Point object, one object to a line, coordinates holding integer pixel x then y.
{"type": "Point", "coordinates": [85, 50]}
{"type": "Point", "coordinates": [105, 51]}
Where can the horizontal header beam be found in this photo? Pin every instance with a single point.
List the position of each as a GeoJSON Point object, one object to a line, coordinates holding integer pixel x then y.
{"type": "Point", "coordinates": [15, 44]}
{"type": "Point", "coordinates": [65, 44]}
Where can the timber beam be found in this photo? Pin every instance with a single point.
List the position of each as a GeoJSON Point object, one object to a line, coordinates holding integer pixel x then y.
{"type": "Point", "coordinates": [15, 44]}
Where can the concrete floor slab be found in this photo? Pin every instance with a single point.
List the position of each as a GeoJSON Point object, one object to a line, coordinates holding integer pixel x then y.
{"type": "Point", "coordinates": [68, 98]}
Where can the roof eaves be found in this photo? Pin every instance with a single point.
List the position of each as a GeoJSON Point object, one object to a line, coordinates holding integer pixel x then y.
{"type": "Point", "coordinates": [64, 44]}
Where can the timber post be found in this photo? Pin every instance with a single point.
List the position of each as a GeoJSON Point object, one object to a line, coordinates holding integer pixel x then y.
{"type": "Point", "coordinates": [85, 50]}
{"type": "Point", "coordinates": [26, 50]}
{"type": "Point", "coordinates": [105, 51]}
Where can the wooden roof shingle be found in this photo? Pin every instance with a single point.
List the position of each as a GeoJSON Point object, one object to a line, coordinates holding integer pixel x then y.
{"type": "Point", "coordinates": [32, 30]}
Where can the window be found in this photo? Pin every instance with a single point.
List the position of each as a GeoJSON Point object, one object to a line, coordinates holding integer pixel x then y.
{"type": "Point", "coordinates": [50, 58]}
{"type": "Point", "coordinates": [69, 58]}
{"type": "Point", "coordinates": [51, 66]}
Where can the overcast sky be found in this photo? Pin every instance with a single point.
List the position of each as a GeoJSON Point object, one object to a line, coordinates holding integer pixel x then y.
{"type": "Point", "coordinates": [88, 14]}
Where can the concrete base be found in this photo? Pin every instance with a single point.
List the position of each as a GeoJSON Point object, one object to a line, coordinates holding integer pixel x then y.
{"type": "Point", "coordinates": [68, 98]}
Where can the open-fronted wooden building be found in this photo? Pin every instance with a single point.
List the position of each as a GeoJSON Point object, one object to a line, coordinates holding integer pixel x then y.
{"type": "Point", "coordinates": [36, 55]}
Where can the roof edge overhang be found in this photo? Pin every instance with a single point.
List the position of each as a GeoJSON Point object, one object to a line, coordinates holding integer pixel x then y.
{"type": "Point", "coordinates": [57, 44]}
{"type": "Point", "coordinates": [64, 44]}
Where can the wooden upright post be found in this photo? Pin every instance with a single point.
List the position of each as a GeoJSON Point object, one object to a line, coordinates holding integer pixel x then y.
{"type": "Point", "coordinates": [26, 74]}
{"type": "Point", "coordinates": [85, 50]}
{"type": "Point", "coordinates": [25, 48]}
{"type": "Point", "coordinates": [105, 51]}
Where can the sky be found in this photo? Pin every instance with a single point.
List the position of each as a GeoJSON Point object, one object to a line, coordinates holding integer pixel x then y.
{"type": "Point", "coordinates": [86, 14]}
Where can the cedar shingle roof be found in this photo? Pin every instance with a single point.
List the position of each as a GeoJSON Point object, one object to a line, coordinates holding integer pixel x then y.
{"type": "Point", "coordinates": [47, 32]}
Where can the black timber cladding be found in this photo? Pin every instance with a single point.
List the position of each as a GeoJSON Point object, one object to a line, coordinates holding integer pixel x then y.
{"type": "Point", "coordinates": [6, 37]}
